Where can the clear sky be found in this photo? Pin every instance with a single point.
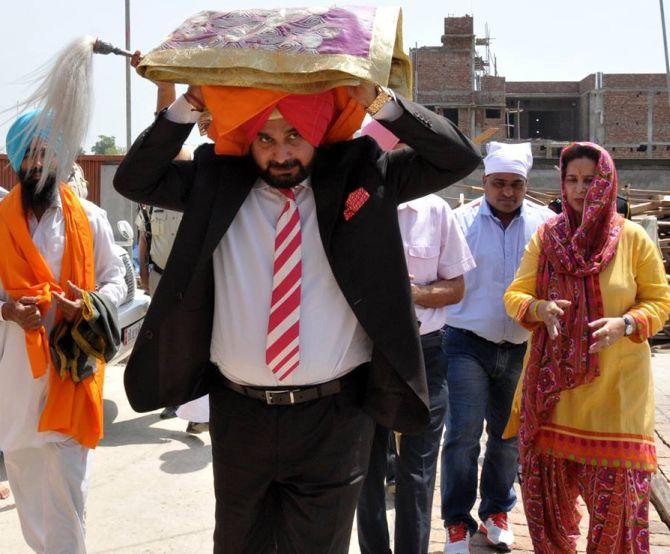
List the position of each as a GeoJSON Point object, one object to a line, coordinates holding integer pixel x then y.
{"type": "Point", "coordinates": [532, 39]}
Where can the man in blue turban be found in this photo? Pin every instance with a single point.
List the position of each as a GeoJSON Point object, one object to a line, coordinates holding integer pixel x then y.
{"type": "Point", "coordinates": [21, 139]}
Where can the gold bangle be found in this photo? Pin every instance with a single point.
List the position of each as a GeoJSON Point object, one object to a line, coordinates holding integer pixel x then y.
{"type": "Point", "coordinates": [382, 98]}
{"type": "Point", "coordinates": [535, 308]}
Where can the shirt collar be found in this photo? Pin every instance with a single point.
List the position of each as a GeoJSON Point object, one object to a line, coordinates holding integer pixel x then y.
{"type": "Point", "coordinates": [485, 209]}
{"type": "Point", "coordinates": [261, 184]}
{"type": "Point", "coordinates": [411, 204]}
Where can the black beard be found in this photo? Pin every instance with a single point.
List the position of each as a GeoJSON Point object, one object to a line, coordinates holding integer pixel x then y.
{"type": "Point", "coordinates": [35, 201]}
{"type": "Point", "coordinates": [285, 181]}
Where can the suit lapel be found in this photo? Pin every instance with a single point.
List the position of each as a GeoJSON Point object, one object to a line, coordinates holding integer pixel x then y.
{"type": "Point", "coordinates": [328, 186]}
{"type": "Point", "coordinates": [234, 187]}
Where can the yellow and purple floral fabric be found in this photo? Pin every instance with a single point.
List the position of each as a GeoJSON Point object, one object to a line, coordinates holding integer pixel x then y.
{"type": "Point", "coordinates": [298, 50]}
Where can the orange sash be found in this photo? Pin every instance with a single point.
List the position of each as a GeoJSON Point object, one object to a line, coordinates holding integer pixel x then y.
{"type": "Point", "coordinates": [72, 409]}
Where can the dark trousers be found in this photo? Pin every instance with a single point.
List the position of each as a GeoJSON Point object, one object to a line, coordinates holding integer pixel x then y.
{"type": "Point", "coordinates": [416, 466]}
{"type": "Point", "coordinates": [287, 478]}
{"type": "Point", "coordinates": [482, 378]}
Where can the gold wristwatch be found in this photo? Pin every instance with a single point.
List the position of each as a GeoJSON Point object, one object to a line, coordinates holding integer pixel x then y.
{"type": "Point", "coordinates": [382, 98]}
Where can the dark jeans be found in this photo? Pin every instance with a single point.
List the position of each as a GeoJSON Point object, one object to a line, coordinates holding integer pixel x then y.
{"type": "Point", "coordinates": [416, 466]}
{"type": "Point", "coordinates": [287, 478]}
{"type": "Point", "coordinates": [482, 378]}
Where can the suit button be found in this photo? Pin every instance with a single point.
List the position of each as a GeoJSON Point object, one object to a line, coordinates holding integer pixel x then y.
{"type": "Point", "coordinates": [148, 334]}
{"type": "Point", "coordinates": [180, 296]}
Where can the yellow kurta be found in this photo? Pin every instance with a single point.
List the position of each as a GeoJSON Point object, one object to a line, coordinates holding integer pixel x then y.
{"type": "Point", "coordinates": [609, 421]}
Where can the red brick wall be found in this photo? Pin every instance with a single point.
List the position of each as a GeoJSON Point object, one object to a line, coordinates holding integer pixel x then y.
{"type": "Point", "coordinates": [459, 25]}
{"type": "Point", "coordinates": [634, 80]}
{"type": "Point", "coordinates": [625, 117]}
{"type": "Point", "coordinates": [546, 87]}
{"type": "Point", "coordinates": [482, 123]}
{"type": "Point", "coordinates": [587, 83]}
{"type": "Point", "coordinates": [492, 83]}
{"type": "Point", "coordinates": [438, 69]}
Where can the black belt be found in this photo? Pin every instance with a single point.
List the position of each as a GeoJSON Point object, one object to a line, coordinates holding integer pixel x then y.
{"type": "Point", "coordinates": [432, 340]}
{"type": "Point", "coordinates": [292, 395]}
{"type": "Point", "coordinates": [155, 267]}
{"type": "Point", "coordinates": [503, 344]}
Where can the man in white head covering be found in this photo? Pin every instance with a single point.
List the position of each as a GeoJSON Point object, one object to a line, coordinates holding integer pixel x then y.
{"type": "Point", "coordinates": [485, 350]}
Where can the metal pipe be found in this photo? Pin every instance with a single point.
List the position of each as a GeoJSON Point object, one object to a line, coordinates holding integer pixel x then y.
{"type": "Point", "coordinates": [665, 49]}
{"type": "Point", "coordinates": [128, 115]}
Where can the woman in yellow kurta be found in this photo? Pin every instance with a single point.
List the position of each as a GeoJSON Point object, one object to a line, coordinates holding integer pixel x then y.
{"type": "Point", "coordinates": [593, 289]}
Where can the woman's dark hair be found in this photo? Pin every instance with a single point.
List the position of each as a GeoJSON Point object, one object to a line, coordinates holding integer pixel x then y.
{"type": "Point", "coordinates": [574, 153]}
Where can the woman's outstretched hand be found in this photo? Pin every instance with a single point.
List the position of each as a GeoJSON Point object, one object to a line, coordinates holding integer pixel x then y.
{"type": "Point", "coordinates": [550, 312]}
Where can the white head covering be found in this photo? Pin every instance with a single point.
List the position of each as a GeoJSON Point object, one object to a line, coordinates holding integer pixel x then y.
{"type": "Point", "coordinates": [508, 158]}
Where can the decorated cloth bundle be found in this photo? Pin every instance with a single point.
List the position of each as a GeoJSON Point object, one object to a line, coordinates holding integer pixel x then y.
{"type": "Point", "coordinates": [296, 50]}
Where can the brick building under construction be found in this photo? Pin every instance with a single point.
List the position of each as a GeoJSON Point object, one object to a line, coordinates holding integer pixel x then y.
{"type": "Point", "coordinates": [627, 113]}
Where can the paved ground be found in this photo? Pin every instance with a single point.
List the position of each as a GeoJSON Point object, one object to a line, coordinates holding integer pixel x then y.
{"type": "Point", "coordinates": [151, 489]}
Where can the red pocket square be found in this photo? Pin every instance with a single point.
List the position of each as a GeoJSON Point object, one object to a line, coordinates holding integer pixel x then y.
{"type": "Point", "coordinates": [354, 202]}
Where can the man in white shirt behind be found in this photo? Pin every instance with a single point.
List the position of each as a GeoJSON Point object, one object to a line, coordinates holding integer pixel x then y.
{"type": "Point", "coordinates": [437, 256]}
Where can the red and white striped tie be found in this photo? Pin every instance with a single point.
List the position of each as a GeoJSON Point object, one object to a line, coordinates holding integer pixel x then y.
{"type": "Point", "coordinates": [282, 350]}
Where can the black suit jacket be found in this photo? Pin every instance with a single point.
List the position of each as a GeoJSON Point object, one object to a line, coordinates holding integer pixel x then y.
{"type": "Point", "coordinates": [169, 364]}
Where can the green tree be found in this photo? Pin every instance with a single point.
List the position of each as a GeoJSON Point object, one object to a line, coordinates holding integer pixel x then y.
{"type": "Point", "coordinates": [106, 146]}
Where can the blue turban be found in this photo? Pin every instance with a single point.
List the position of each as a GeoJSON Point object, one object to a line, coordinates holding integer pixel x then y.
{"type": "Point", "coordinates": [20, 136]}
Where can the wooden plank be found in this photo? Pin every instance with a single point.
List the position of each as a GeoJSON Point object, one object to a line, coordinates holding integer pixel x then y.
{"type": "Point", "coordinates": [486, 135]}
{"type": "Point", "coordinates": [660, 496]}
{"type": "Point", "coordinates": [638, 209]}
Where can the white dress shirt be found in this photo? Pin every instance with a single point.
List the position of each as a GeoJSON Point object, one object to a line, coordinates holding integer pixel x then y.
{"type": "Point", "coordinates": [435, 249]}
{"type": "Point", "coordinates": [332, 341]}
{"type": "Point", "coordinates": [22, 396]}
{"type": "Point", "coordinates": [497, 251]}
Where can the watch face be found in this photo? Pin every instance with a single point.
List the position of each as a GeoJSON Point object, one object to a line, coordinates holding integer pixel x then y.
{"type": "Point", "coordinates": [629, 326]}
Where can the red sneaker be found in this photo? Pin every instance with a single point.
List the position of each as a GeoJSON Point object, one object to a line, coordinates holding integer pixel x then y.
{"type": "Point", "coordinates": [498, 532]}
{"type": "Point", "coordinates": [458, 539]}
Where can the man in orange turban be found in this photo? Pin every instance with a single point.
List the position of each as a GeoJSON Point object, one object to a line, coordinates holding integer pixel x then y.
{"type": "Point", "coordinates": [286, 296]}
{"type": "Point", "coordinates": [53, 245]}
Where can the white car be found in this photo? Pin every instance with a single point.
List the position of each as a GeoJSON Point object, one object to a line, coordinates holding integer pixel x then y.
{"type": "Point", "coordinates": [136, 303]}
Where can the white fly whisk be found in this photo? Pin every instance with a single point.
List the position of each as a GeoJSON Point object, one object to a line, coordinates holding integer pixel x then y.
{"type": "Point", "coordinates": [65, 96]}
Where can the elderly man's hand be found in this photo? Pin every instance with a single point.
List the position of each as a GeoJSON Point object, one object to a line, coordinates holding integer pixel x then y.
{"type": "Point", "coordinates": [70, 309]}
{"type": "Point", "coordinates": [23, 312]}
{"type": "Point", "coordinates": [136, 59]}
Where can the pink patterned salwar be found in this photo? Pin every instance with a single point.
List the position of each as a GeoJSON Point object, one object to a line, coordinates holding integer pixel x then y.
{"type": "Point", "coordinates": [617, 500]}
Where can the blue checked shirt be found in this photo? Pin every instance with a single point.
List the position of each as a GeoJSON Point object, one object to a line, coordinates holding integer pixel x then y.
{"type": "Point", "coordinates": [497, 252]}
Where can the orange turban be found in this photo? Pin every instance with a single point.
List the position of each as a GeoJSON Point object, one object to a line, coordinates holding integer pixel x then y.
{"type": "Point", "coordinates": [238, 113]}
